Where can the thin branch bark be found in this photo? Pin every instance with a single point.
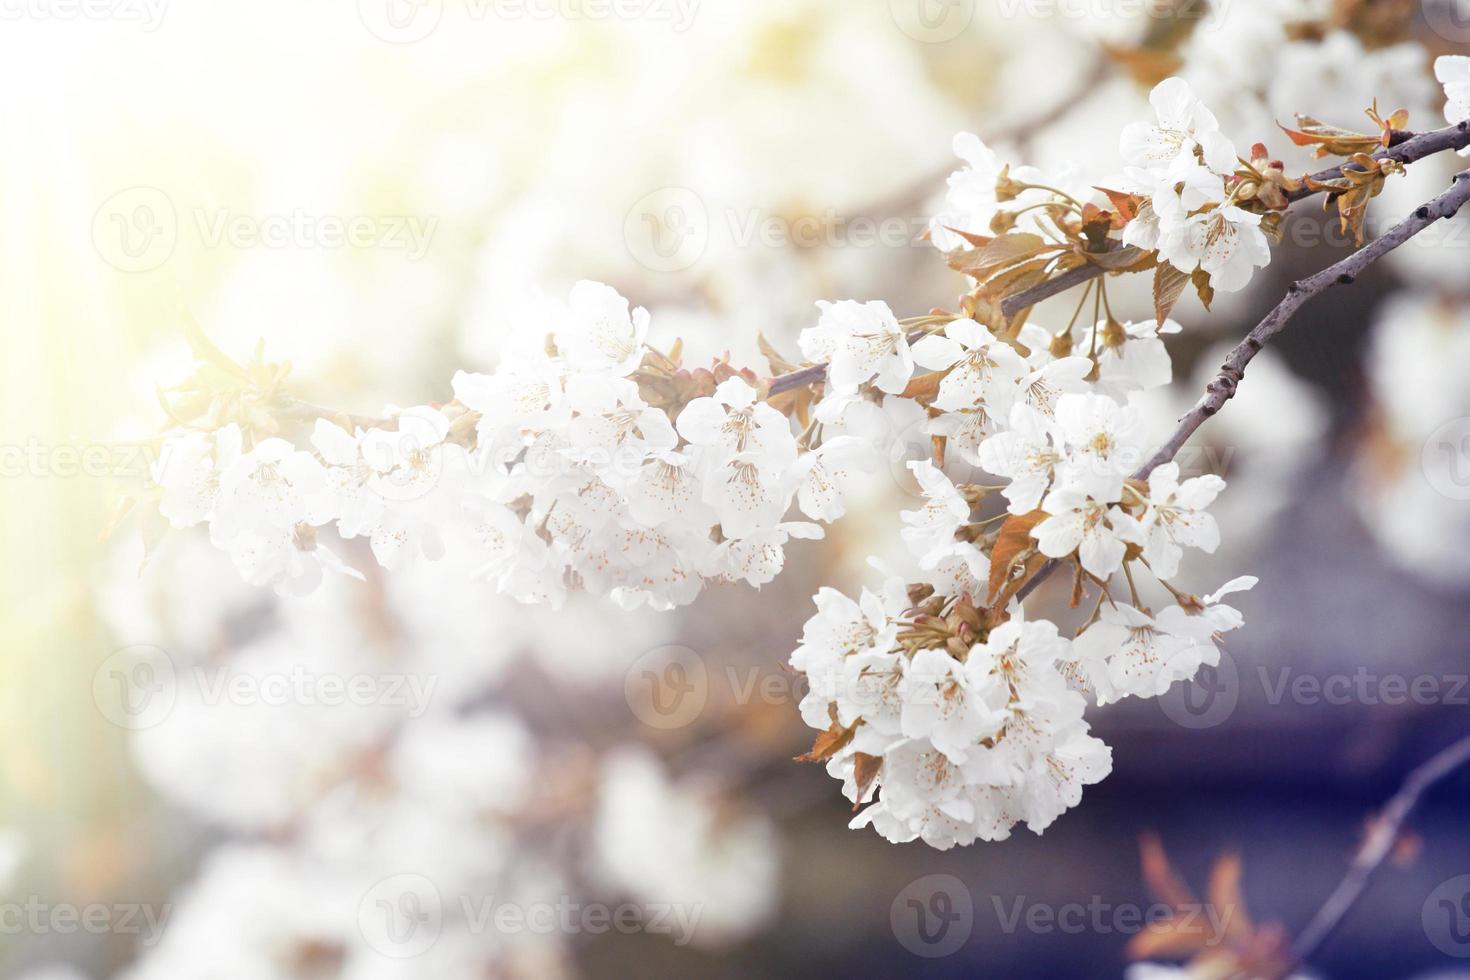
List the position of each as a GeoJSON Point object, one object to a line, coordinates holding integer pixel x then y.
{"type": "Point", "coordinates": [1223, 388]}
{"type": "Point", "coordinates": [1410, 150]}
{"type": "Point", "coordinates": [1381, 839]}
{"type": "Point", "coordinates": [1346, 272]}
{"type": "Point", "coordinates": [1407, 149]}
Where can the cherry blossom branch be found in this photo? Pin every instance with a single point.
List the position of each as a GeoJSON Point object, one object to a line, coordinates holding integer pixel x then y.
{"type": "Point", "coordinates": [1409, 149]}
{"type": "Point", "coordinates": [1343, 273]}
{"type": "Point", "coordinates": [1223, 387]}
{"type": "Point", "coordinates": [1382, 836]}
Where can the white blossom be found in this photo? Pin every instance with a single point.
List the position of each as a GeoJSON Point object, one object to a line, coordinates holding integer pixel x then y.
{"type": "Point", "coordinates": [1103, 444]}
{"type": "Point", "coordinates": [1175, 518]}
{"type": "Point", "coordinates": [1225, 242]}
{"type": "Point", "coordinates": [599, 333]}
{"type": "Point", "coordinates": [1186, 131]}
{"type": "Point", "coordinates": [1098, 533]}
{"type": "Point", "coordinates": [981, 370]}
{"type": "Point", "coordinates": [861, 343]}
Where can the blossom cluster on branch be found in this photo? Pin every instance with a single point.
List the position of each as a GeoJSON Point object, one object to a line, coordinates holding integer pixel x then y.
{"type": "Point", "coordinates": [591, 460]}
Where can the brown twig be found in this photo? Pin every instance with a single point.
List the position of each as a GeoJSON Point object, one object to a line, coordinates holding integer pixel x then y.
{"type": "Point", "coordinates": [1223, 388]}
{"type": "Point", "coordinates": [1382, 836]}
{"type": "Point", "coordinates": [1406, 148]}
{"type": "Point", "coordinates": [1409, 149]}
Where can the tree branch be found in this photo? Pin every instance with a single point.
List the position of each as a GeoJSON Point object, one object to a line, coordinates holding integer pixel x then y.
{"type": "Point", "coordinates": [1383, 834]}
{"type": "Point", "coordinates": [1410, 149]}
{"type": "Point", "coordinates": [1406, 148]}
{"type": "Point", "coordinates": [1222, 389]}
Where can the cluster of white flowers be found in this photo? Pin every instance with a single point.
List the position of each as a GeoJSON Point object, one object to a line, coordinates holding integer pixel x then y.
{"type": "Point", "coordinates": [559, 474]}
{"type": "Point", "coordinates": [969, 720]}
{"type": "Point", "coordinates": [1181, 164]}
{"type": "Point", "coordinates": [593, 461]}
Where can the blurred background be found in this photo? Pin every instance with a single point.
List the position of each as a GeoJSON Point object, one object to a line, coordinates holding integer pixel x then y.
{"type": "Point", "coordinates": [373, 190]}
